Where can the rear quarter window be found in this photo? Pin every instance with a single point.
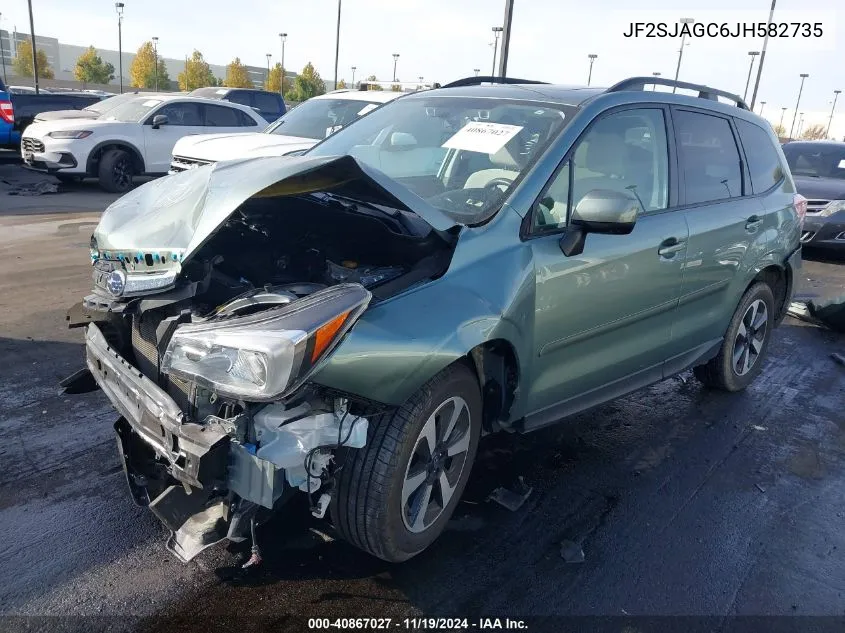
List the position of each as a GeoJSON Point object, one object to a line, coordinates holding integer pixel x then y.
{"type": "Point", "coordinates": [764, 163]}
{"type": "Point", "coordinates": [709, 157]}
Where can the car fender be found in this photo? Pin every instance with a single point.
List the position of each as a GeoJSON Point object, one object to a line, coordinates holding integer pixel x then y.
{"type": "Point", "coordinates": [401, 343]}
{"type": "Point", "coordinates": [120, 142]}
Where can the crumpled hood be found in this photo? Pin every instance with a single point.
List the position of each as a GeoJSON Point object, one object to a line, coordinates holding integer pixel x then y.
{"type": "Point", "coordinates": [178, 213]}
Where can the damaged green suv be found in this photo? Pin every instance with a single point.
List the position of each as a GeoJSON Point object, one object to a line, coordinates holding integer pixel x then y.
{"type": "Point", "coordinates": [486, 256]}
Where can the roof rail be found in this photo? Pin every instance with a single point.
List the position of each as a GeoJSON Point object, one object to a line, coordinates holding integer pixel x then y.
{"type": "Point", "coordinates": [704, 92]}
{"type": "Point", "coordinates": [477, 81]}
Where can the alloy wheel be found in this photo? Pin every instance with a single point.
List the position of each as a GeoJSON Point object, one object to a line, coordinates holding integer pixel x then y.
{"type": "Point", "coordinates": [436, 464]}
{"type": "Point", "coordinates": [122, 172]}
{"type": "Point", "coordinates": [750, 337]}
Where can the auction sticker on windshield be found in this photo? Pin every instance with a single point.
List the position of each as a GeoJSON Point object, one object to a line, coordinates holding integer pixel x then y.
{"type": "Point", "coordinates": [482, 137]}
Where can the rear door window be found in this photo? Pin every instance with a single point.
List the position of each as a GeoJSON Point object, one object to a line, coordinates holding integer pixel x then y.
{"type": "Point", "coordinates": [763, 161]}
{"type": "Point", "coordinates": [221, 116]}
{"type": "Point", "coordinates": [268, 104]}
{"type": "Point", "coordinates": [239, 96]}
{"type": "Point", "coordinates": [710, 159]}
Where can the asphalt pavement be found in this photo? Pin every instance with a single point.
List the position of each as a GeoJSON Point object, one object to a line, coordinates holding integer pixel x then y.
{"type": "Point", "coordinates": [683, 501]}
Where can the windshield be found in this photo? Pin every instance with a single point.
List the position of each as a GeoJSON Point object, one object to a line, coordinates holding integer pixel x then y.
{"type": "Point", "coordinates": [460, 154]}
{"type": "Point", "coordinates": [131, 111]}
{"type": "Point", "coordinates": [318, 118]}
{"type": "Point", "coordinates": [109, 103]}
{"type": "Point", "coordinates": [816, 161]}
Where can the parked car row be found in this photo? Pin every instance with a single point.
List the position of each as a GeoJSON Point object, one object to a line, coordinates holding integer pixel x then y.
{"type": "Point", "coordinates": [347, 323]}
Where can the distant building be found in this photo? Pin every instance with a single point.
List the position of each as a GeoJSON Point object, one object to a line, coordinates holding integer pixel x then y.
{"type": "Point", "coordinates": [62, 59]}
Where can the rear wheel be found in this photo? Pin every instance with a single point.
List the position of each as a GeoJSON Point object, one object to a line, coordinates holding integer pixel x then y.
{"type": "Point", "coordinates": [396, 494]}
{"type": "Point", "coordinates": [116, 171]}
{"type": "Point", "coordinates": [746, 342]}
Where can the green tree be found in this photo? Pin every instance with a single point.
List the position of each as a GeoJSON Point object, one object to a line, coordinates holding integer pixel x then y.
{"type": "Point", "coordinates": [341, 84]}
{"type": "Point", "coordinates": [306, 85]}
{"type": "Point", "coordinates": [396, 87]}
{"type": "Point", "coordinates": [814, 132]}
{"type": "Point", "coordinates": [237, 76]}
{"type": "Point", "coordinates": [274, 79]}
{"type": "Point", "coordinates": [142, 70]}
{"type": "Point", "coordinates": [780, 131]}
{"type": "Point", "coordinates": [23, 63]}
{"type": "Point", "coordinates": [373, 86]}
{"type": "Point", "coordinates": [90, 68]}
{"type": "Point", "coordinates": [197, 73]}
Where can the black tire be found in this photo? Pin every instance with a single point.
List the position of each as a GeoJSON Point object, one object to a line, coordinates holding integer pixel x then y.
{"type": "Point", "coordinates": [368, 509]}
{"type": "Point", "coordinates": [724, 371]}
{"type": "Point", "coordinates": [116, 171]}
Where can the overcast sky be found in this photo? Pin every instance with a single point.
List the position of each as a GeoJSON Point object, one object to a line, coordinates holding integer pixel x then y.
{"type": "Point", "coordinates": [446, 39]}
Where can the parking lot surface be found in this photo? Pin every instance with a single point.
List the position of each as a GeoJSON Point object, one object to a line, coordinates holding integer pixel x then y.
{"type": "Point", "coordinates": [684, 501]}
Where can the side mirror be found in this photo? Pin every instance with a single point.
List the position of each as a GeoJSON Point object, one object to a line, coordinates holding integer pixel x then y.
{"type": "Point", "coordinates": [600, 211]}
{"type": "Point", "coordinates": [159, 120]}
{"type": "Point", "coordinates": [402, 140]}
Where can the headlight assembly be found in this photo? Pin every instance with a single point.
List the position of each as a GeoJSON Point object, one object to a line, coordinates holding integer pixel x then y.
{"type": "Point", "coordinates": [266, 355]}
{"type": "Point", "coordinates": [70, 134]}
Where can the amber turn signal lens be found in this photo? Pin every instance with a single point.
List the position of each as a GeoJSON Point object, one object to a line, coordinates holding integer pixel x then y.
{"type": "Point", "coordinates": [325, 333]}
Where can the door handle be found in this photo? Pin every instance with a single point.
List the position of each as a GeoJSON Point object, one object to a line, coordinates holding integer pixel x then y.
{"type": "Point", "coordinates": [670, 246]}
{"type": "Point", "coordinates": [753, 222]}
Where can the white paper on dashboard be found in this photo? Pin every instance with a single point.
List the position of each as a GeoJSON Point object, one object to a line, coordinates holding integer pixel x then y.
{"type": "Point", "coordinates": [482, 136]}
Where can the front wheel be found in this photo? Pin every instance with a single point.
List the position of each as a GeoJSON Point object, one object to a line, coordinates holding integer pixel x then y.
{"type": "Point", "coordinates": [116, 171]}
{"type": "Point", "coordinates": [395, 495]}
{"type": "Point", "coordinates": [746, 342]}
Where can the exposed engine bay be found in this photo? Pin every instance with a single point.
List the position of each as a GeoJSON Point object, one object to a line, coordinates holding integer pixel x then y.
{"type": "Point", "coordinates": [219, 424]}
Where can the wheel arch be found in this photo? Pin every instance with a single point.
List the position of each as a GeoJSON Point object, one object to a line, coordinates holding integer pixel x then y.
{"type": "Point", "coordinates": [101, 148]}
{"type": "Point", "coordinates": [779, 279]}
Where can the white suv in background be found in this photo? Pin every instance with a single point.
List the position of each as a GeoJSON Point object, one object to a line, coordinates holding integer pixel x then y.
{"type": "Point", "coordinates": [298, 130]}
{"type": "Point", "coordinates": [134, 138]}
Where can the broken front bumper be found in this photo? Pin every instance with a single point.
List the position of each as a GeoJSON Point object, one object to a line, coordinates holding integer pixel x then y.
{"type": "Point", "coordinates": [195, 454]}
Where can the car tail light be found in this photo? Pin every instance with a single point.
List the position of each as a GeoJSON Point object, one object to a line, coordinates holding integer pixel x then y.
{"type": "Point", "coordinates": [800, 204]}
{"type": "Point", "coordinates": [7, 111]}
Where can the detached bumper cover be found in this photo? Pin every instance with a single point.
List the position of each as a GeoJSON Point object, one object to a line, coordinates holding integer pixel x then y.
{"type": "Point", "coordinates": [196, 455]}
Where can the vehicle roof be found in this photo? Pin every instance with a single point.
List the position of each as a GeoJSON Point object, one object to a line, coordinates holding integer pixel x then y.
{"type": "Point", "coordinates": [819, 143]}
{"type": "Point", "coordinates": [350, 94]}
{"type": "Point", "coordinates": [226, 89]}
{"type": "Point", "coordinates": [572, 95]}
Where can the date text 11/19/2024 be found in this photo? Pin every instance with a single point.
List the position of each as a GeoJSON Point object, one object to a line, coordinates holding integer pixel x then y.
{"type": "Point", "coordinates": [417, 624]}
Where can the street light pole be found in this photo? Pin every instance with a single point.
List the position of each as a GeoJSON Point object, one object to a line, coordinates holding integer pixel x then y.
{"type": "Point", "coordinates": [762, 105]}
{"type": "Point", "coordinates": [506, 39]}
{"type": "Point", "coordinates": [830, 120]}
{"type": "Point", "coordinates": [283, 37]}
{"type": "Point", "coordinates": [337, 44]}
{"type": "Point", "coordinates": [782, 112]}
{"type": "Point", "coordinates": [800, 124]}
{"type": "Point", "coordinates": [267, 81]}
{"type": "Point", "coordinates": [476, 71]}
{"type": "Point", "coordinates": [763, 58]}
{"type": "Point", "coordinates": [354, 68]}
{"type": "Point", "coordinates": [3, 52]}
{"type": "Point", "coordinates": [751, 54]}
{"type": "Point", "coordinates": [592, 57]}
{"type": "Point", "coordinates": [395, 60]}
{"type": "Point", "coordinates": [496, 31]}
{"type": "Point", "coordinates": [32, 41]}
{"type": "Point", "coordinates": [797, 103]}
{"type": "Point", "coordinates": [155, 52]}
{"type": "Point", "coordinates": [681, 50]}
{"type": "Point", "coordinates": [118, 6]}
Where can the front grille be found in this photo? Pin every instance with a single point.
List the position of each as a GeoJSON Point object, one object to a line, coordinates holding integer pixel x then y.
{"type": "Point", "coordinates": [32, 145]}
{"type": "Point", "coordinates": [814, 206]}
{"type": "Point", "coordinates": [183, 163]}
